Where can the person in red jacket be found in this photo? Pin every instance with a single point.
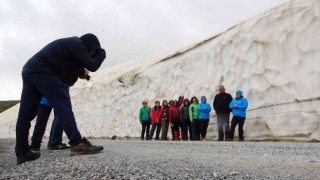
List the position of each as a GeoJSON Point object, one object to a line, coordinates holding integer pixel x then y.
{"type": "Point", "coordinates": [155, 115]}
{"type": "Point", "coordinates": [174, 119]}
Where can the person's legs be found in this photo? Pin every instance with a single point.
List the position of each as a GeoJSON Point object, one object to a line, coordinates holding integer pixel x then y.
{"type": "Point", "coordinates": [175, 129]}
{"type": "Point", "coordinates": [40, 127]}
{"type": "Point", "coordinates": [144, 125]}
{"type": "Point", "coordinates": [234, 123]}
{"type": "Point", "coordinates": [205, 128]}
{"type": "Point", "coordinates": [153, 128]}
{"type": "Point", "coordinates": [164, 132]}
{"type": "Point", "coordinates": [148, 129]}
{"type": "Point", "coordinates": [56, 133]}
{"type": "Point", "coordinates": [190, 130]}
{"type": "Point", "coordinates": [197, 130]}
{"type": "Point", "coordinates": [201, 127]}
{"type": "Point", "coordinates": [220, 127]}
{"type": "Point", "coordinates": [226, 126]}
{"type": "Point", "coordinates": [240, 128]}
{"type": "Point", "coordinates": [57, 94]}
{"type": "Point", "coordinates": [30, 100]}
{"type": "Point", "coordinates": [158, 131]}
{"type": "Point", "coordinates": [185, 129]}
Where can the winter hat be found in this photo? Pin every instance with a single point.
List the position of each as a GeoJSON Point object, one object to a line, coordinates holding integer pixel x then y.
{"type": "Point", "coordinates": [203, 97]}
{"type": "Point", "coordinates": [239, 92]}
{"type": "Point", "coordinates": [90, 41]}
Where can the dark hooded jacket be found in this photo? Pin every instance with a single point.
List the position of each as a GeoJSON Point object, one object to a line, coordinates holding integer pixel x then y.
{"type": "Point", "coordinates": [67, 57]}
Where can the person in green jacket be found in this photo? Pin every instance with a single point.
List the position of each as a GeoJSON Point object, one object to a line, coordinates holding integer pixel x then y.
{"type": "Point", "coordinates": [144, 117]}
{"type": "Point", "coordinates": [194, 118]}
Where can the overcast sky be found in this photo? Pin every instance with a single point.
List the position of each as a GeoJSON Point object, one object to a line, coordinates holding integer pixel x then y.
{"type": "Point", "coordinates": [128, 30]}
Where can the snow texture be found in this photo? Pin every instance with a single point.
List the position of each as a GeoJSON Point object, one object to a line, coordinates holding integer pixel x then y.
{"type": "Point", "coordinates": [273, 58]}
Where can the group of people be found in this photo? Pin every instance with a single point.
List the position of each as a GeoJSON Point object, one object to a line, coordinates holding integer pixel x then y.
{"type": "Point", "coordinates": [189, 119]}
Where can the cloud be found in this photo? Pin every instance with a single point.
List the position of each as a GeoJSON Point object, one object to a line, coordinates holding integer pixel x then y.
{"type": "Point", "coordinates": [128, 30]}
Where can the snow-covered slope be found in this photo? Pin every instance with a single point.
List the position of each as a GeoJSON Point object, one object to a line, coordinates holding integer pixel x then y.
{"type": "Point", "coordinates": [273, 58]}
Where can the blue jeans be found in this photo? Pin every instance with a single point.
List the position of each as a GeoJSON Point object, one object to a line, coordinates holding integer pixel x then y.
{"type": "Point", "coordinates": [56, 132]}
{"type": "Point", "coordinates": [35, 86]}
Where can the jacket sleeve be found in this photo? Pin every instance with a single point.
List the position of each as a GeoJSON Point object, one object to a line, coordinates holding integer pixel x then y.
{"type": "Point", "coordinates": [214, 102]}
{"type": "Point", "coordinates": [81, 55]}
{"type": "Point", "coordinates": [152, 115]}
{"type": "Point", "coordinates": [190, 114]}
{"type": "Point", "coordinates": [243, 105]}
{"type": "Point", "coordinates": [231, 104]}
{"type": "Point", "coordinates": [180, 102]}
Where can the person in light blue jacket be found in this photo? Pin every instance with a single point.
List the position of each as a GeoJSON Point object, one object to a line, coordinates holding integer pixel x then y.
{"type": "Point", "coordinates": [204, 116]}
{"type": "Point", "coordinates": [238, 106]}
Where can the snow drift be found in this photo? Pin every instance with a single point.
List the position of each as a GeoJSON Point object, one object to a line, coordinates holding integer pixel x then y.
{"type": "Point", "coordinates": [273, 58]}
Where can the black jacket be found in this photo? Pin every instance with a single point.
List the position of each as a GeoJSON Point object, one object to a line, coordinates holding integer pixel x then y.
{"type": "Point", "coordinates": [221, 103]}
{"type": "Point", "coordinates": [66, 58]}
{"type": "Point", "coordinates": [184, 113]}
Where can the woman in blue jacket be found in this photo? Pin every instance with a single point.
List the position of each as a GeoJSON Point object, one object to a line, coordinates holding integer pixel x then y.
{"type": "Point", "coordinates": [204, 116]}
{"type": "Point", "coordinates": [238, 106]}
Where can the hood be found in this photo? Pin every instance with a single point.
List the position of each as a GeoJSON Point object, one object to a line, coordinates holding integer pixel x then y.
{"type": "Point", "coordinates": [90, 41]}
{"type": "Point", "coordinates": [203, 101]}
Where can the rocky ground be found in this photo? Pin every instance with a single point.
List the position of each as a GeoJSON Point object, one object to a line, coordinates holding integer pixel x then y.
{"type": "Point", "coordinates": [171, 160]}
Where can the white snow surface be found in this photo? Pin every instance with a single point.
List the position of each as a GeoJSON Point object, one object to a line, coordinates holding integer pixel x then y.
{"type": "Point", "coordinates": [273, 58]}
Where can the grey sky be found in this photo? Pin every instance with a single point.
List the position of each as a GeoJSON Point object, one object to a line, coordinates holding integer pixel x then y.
{"type": "Point", "coordinates": [129, 30]}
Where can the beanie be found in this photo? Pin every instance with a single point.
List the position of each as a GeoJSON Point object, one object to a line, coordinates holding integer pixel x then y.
{"type": "Point", "coordinates": [90, 41]}
{"type": "Point", "coordinates": [239, 92]}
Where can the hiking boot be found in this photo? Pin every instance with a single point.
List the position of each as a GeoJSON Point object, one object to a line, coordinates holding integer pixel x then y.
{"type": "Point", "coordinates": [30, 156]}
{"type": "Point", "coordinates": [60, 146]}
{"type": "Point", "coordinates": [33, 147]}
{"type": "Point", "coordinates": [85, 147]}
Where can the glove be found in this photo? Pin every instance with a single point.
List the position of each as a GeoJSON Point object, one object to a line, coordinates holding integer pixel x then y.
{"type": "Point", "coordinates": [101, 53]}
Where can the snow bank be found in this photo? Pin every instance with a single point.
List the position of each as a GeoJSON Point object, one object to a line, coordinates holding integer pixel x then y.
{"type": "Point", "coordinates": [272, 57]}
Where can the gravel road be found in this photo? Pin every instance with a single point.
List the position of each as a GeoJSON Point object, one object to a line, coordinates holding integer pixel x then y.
{"type": "Point", "coordinates": [171, 160]}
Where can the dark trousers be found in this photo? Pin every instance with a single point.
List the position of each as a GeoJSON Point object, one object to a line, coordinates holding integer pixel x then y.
{"type": "Point", "coordinates": [236, 120]}
{"type": "Point", "coordinates": [56, 132]}
{"type": "Point", "coordinates": [195, 130]}
{"type": "Point", "coordinates": [203, 124]}
{"type": "Point", "coordinates": [223, 126]}
{"type": "Point", "coordinates": [164, 132]}
{"type": "Point", "coordinates": [186, 128]}
{"type": "Point", "coordinates": [41, 124]}
{"type": "Point", "coordinates": [153, 128]}
{"type": "Point", "coordinates": [145, 129]}
{"type": "Point", "coordinates": [35, 86]}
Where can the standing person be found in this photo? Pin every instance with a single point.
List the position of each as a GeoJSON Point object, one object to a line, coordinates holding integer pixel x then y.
{"type": "Point", "coordinates": [194, 118]}
{"type": "Point", "coordinates": [164, 120]}
{"type": "Point", "coordinates": [155, 115]}
{"type": "Point", "coordinates": [55, 139]}
{"type": "Point", "coordinates": [45, 75]}
{"type": "Point", "coordinates": [221, 106]}
{"type": "Point", "coordinates": [174, 119]}
{"type": "Point", "coordinates": [144, 117]}
{"type": "Point", "coordinates": [180, 101]}
{"type": "Point", "coordinates": [56, 132]}
{"type": "Point", "coordinates": [204, 117]}
{"type": "Point", "coordinates": [239, 106]}
{"type": "Point", "coordinates": [185, 119]}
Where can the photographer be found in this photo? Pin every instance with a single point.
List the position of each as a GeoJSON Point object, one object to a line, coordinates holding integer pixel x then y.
{"type": "Point", "coordinates": [45, 75]}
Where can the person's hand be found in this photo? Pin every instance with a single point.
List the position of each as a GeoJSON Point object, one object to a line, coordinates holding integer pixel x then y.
{"type": "Point", "coordinates": [235, 106]}
{"type": "Point", "coordinates": [85, 75]}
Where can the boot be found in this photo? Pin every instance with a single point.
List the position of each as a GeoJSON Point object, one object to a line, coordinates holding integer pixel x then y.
{"type": "Point", "coordinates": [176, 135]}
{"type": "Point", "coordinates": [85, 147]}
{"type": "Point", "coordinates": [34, 147]}
{"type": "Point", "coordinates": [29, 156]}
